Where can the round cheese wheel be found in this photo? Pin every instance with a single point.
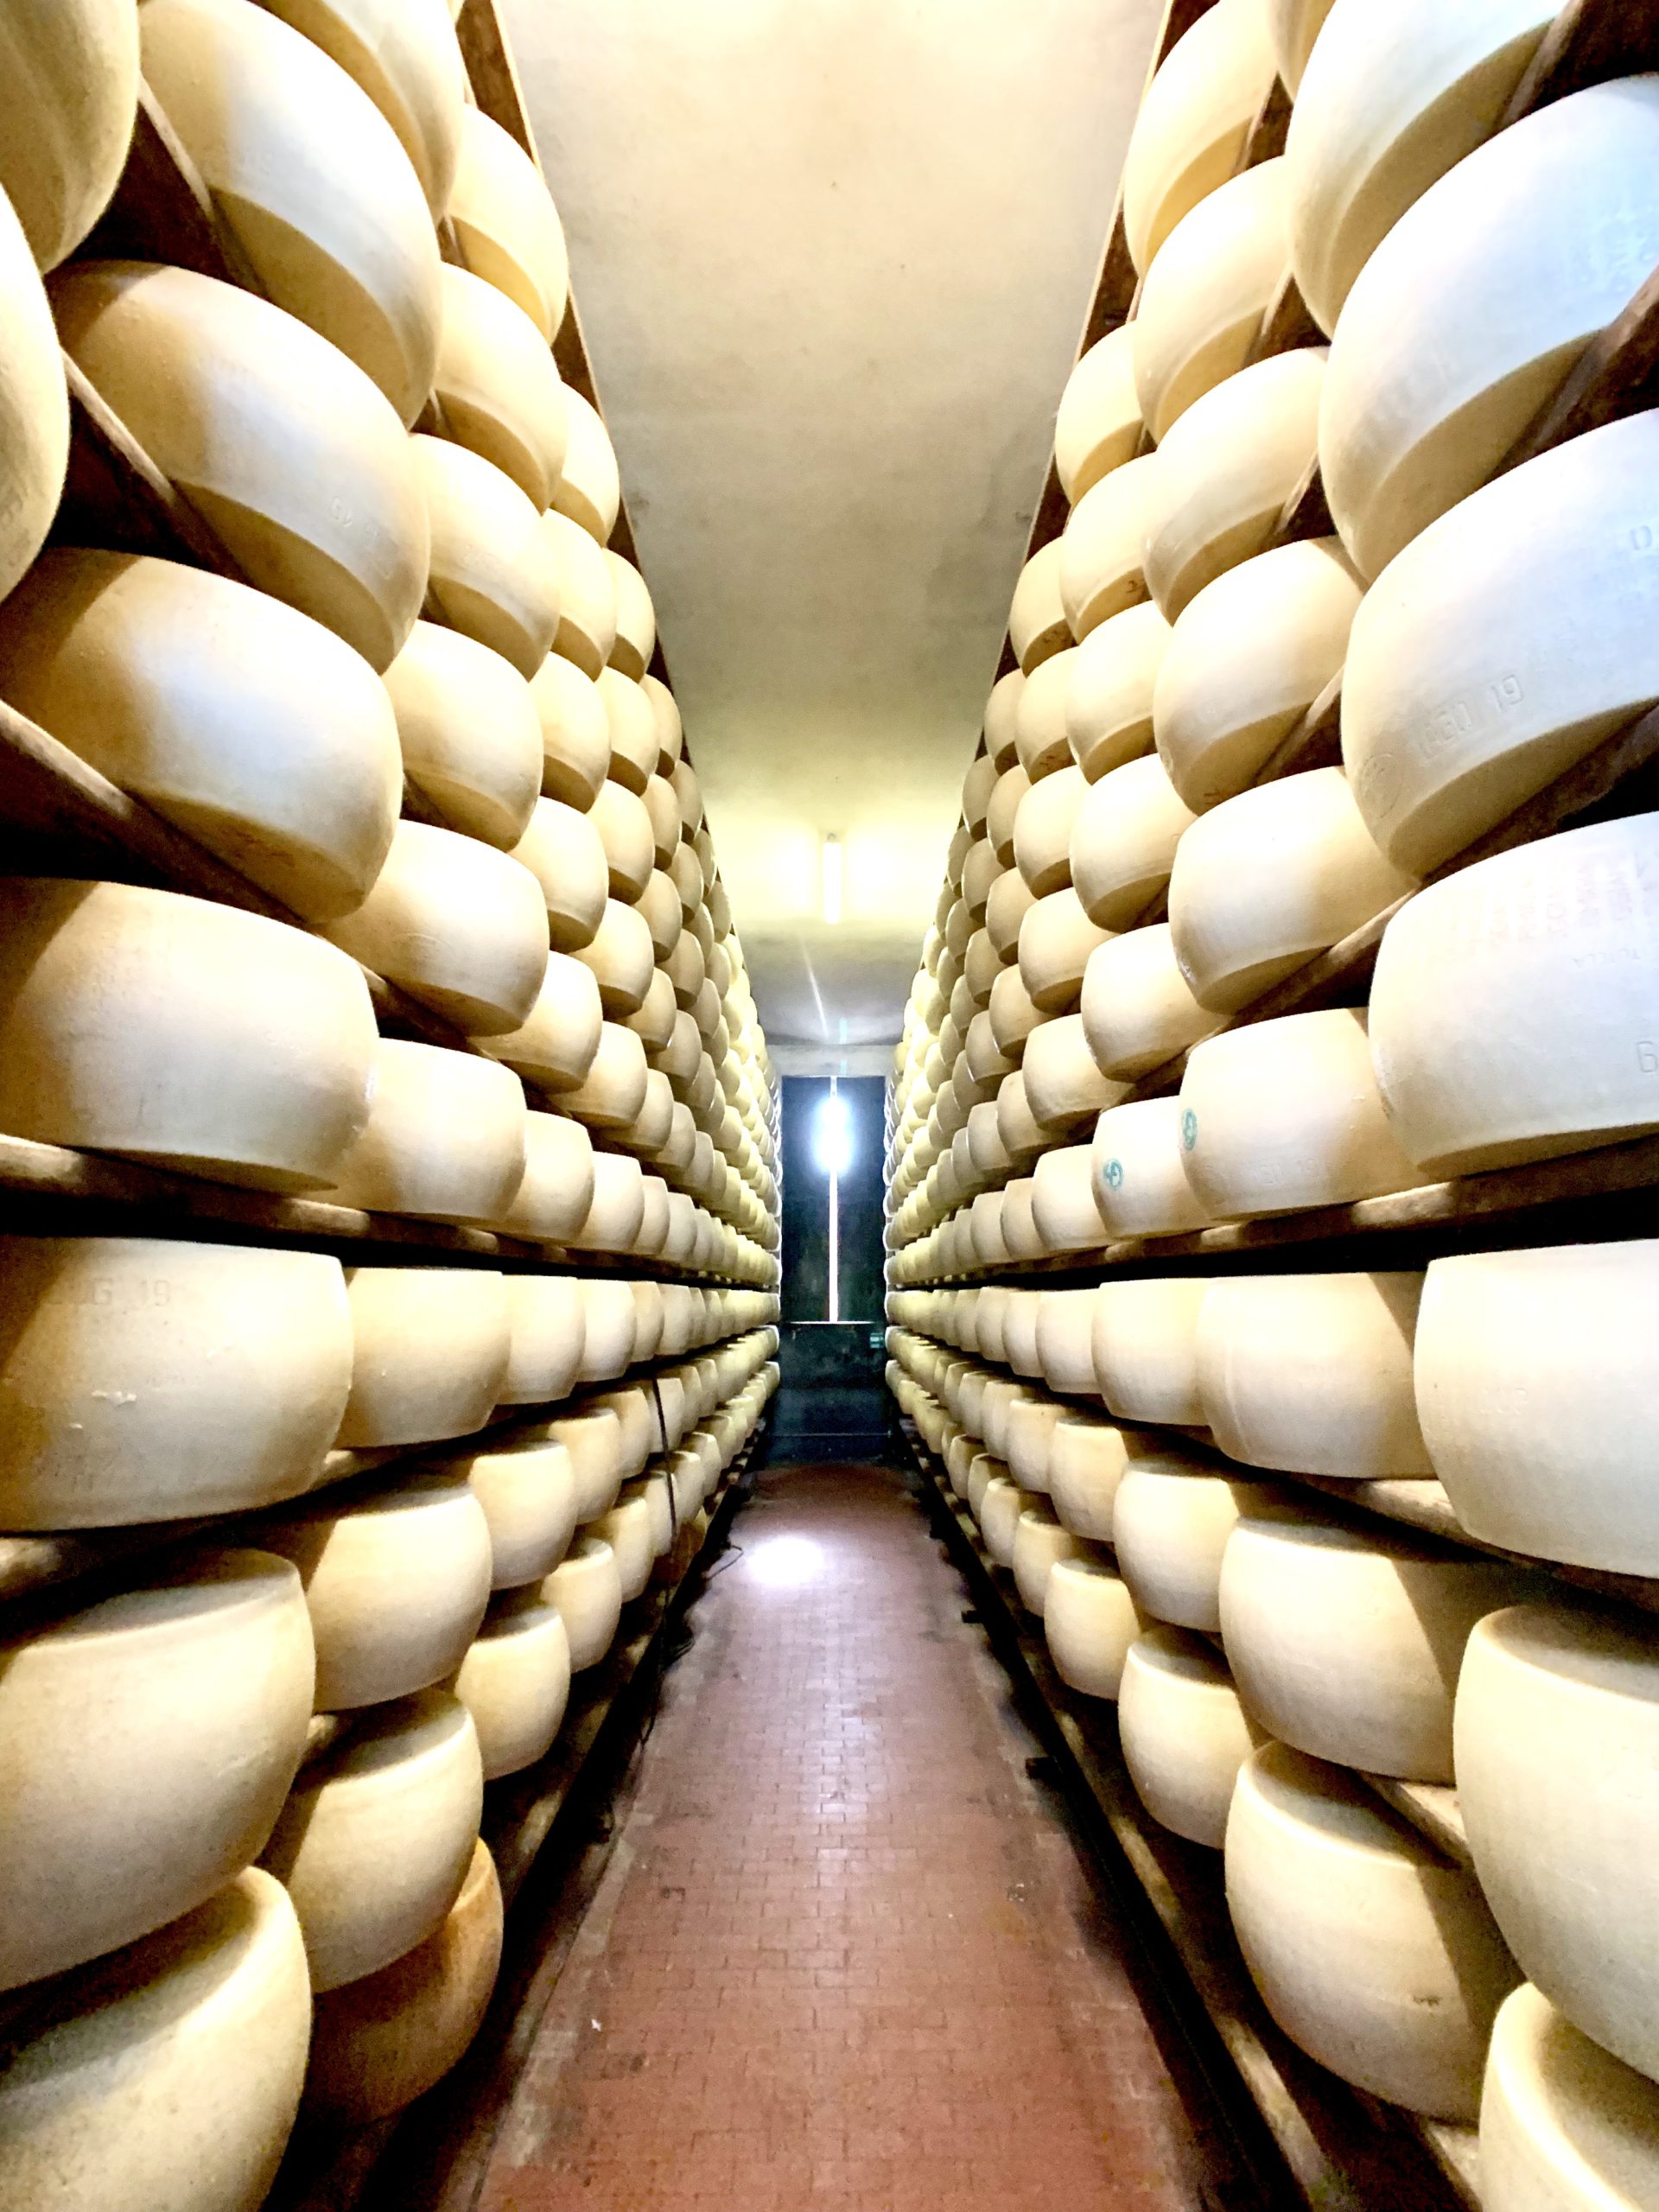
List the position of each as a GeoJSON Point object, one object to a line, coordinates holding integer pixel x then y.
{"type": "Point", "coordinates": [295, 459]}
{"type": "Point", "coordinates": [547, 1336]}
{"type": "Point", "coordinates": [469, 732]}
{"type": "Point", "coordinates": [69, 76]}
{"type": "Point", "coordinates": [1087, 1457]}
{"type": "Point", "coordinates": [590, 490]}
{"type": "Point", "coordinates": [310, 181]}
{"type": "Point", "coordinates": [575, 736]}
{"type": "Point", "coordinates": [1123, 838]}
{"type": "Point", "coordinates": [1563, 2126]}
{"type": "Point", "coordinates": [1109, 694]}
{"type": "Point", "coordinates": [1313, 1373]}
{"type": "Point", "coordinates": [1279, 1115]}
{"type": "Point", "coordinates": [1467, 690]}
{"type": "Point", "coordinates": [1348, 1645]}
{"type": "Point", "coordinates": [671, 734]}
{"type": "Point", "coordinates": [527, 1488]}
{"type": "Point", "coordinates": [1039, 1544]}
{"type": "Point", "coordinates": [632, 728]}
{"type": "Point", "coordinates": [1098, 426]}
{"type": "Point", "coordinates": [404, 55]}
{"type": "Point", "coordinates": [1037, 629]}
{"type": "Point", "coordinates": [1064, 1080]}
{"type": "Point", "coordinates": [659, 902]}
{"type": "Point", "coordinates": [1227, 470]}
{"type": "Point", "coordinates": [1146, 1349]}
{"type": "Point", "coordinates": [613, 1092]}
{"type": "Point", "coordinates": [562, 849]}
{"type": "Point", "coordinates": [1101, 551]}
{"type": "Point", "coordinates": [1019, 1231]}
{"type": "Point", "coordinates": [1138, 1007]}
{"type": "Point", "coordinates": [1089, 1623]}
{"type": "Point", "coordinates": [614, 1218]}
{"type": "Point", "coordinates": [625, 831]}
{"type": "Point", "coordinates": [1389, 104]}
{"type": "Point", "coordinates": [1056, 938]}
{"type": "Point", "coordinates": [1370, 1951]}
{"type": "Point", "coordinates": [1007, 901]}
{"type": "Point", "coordinates": [591, 1433]}
{"type": "Point", "coordinates": [497, 389]}
{"type": "Point", "coordinates": [1266, 880]}
{"type": "Point", "coordinates": [1534, 1376]}
{"type": "Point", "coordinates": [377, 1833]}
{"type": "Point", "coordinates": [1012, 787]}
{"type": "Point", "coordinates": [506, 225]}
{"type": "Point", "coordinates": [1554, 1740]}
{"type": "Point", "coordinates": [379, 2044]}
{"type": "Point", "coordinates": [1465, 321]}
{"type": "Point", "coordinates": [1184, 1731]}
{"type": "Point", "coordinates": [989, 1247]}
{"type": "Point", "coordinates": [1292, 26]}
{"type": "Point", "coordinates": [1497, 1039]}
{"type": "Point", "coordinates": [33, 404]}
{"type": "Point", "coordinates": [168, 2073]}
{"type": "Point", "coordinates": [587, 631]}
{"type": "Point", "coordinates": [515, 1681]}
{"type": "Point", "coordinates": [586, 1588]}
{"type": "Point", "coordinates": [457, 924]}
{"type": "Point", "coordinates": [1064, 1350]}
{"type": "Point", "coordinates": [1039, 717]}
{"type": "Point", "coordinates": [151, 1380]}
{"type": "Point", "coordinates": [179, 1031]}
{"type": "Point", "coordinates": [1063, 1201]}
{"type": "Point", "coordinates": [1248, 658]}
{"type": "Point", "coordinates": [555, 1045]}
{"type": "Point", "coordinates": [1014, 1014]}
{"type": "Point", "coordinates": [1019, 1336]}
{"type": "Point", "coordinates": [636, 622]}
{"type": "Point", "coordinates": [620, 955]}
{"type": "Point", "coordinates": [1002, 706]}
{"type": "Point", "coordinates": [1000, 1504]}
{"type": "Point", "coordinates": [445, 1139]}
{"type": "Point", "coordinates": [1141, 1187]}
{"type": "Point", "coordinates": [1043, 820]}
{"type": "Point", "coordinates": [630, 1528]}
{"type": "Point", "coordinates": [431, 1349]}
{"type": "Point", "coordinates": [1193, 122]}
{"type": "Point", "coordinates": [1172, 1523]}
{"type": "Point", "coordinates": [492, 575]}
{"type": "Point", "coordinates": [150, 1737]}
{"type": "Point", "coordinates": [1204, 297]}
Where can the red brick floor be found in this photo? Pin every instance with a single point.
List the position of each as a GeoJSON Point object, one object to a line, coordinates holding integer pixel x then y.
{"type": "Point", "coordinates": [844, 1954]}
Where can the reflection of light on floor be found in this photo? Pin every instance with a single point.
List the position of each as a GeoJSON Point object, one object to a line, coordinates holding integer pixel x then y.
{"type": "Point", "coordinates": [785, 1562]}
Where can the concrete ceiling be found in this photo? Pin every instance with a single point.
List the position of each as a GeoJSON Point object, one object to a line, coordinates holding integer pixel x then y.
{"type": "Point", "coordinates": [832, 258]}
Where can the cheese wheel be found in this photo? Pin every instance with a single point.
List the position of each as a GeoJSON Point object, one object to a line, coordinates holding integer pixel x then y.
{"type": "Point", "coordinates": [625, 831]}
{"type": "Point", "coordinates": [1039, 717]}
{"type": "Point", "coordinates": [1292, 26]}
{"type": "Point", "coordinates": [1019, 1336]}
{"type": "Point", "coordinates": [548, 1332]}
{"type": "Point", "coordinates": [1226, 472]}
{"type": "Point", "coordinates": [591, 1433]}
{"type": "Point", "coordinates": [1056, 938]}
{"type": "Point", "coordinates": [1563, 2126]}
{"type": "Point", "coordinates": [1370, 1951]}
{"type": "Point", "coordinates": [671, 733]}
{"type": "Point", "coordinates": [1089, 1623]}
{"type": "Point", "coordinates": [295, 459]}
{"type": "Point", "coordinates": [309, 179]}
{"type": "Point", "coordinates": [376, 1835]}
{"type": "Point", "coordinates": [1184, 1731]}
{"type": "Point", "coordinates": [632, 725]}
{"type": "Point", "coordinates": [575, 737]}
{"type": "Point", "coordinates": [1141, 1188]}
{"type": "Point", "coordinates": [404, 55]}
{"type": "Point", "coordinates": [1279, 1115]}
{"type": "Point", "coordinates": [169, 2073]}
{"type": "Point", "coordinates": [150, 1737]}
{"type": "Point", "coordinates": [1146, 1349]}
{"type": "Point", "coordinates": [70, 80]}
{"type": "Point", "coordinates": [1002, 706]}
{"type": "Point", "coordinates": [1087, 1457]}
{"type": "Point", "coordinates": [34, 405]}
{"type": "Point", "coordinates": [1138, 1007]}
{"type": "Point", "coordinates": [620, 955]}
{"type": "Point", "coordinates": [149, 1380]}
{"type": "Point", "coordinates": [659, 902]}
{"type": "Point", "coordinates": [379, 2044]}
{"type": "Point", "coordinates": [1389, 104]}
{"type": "Point", "coordinates": [458, 924]}
{"type": "Point", "coordinates": [1098, 426]}
{"type": "Point", "coordinates": [1101, 551]}
{"type": "Point", "coordinates": [506, 225]}
{"type": "Point", "coordinates": [1039, 1544]}
{"type": "Point", "coordinates": [1037, 629]}
{"type": "Point", "coordinates": [586, 1589]}
{"type": "Point", "coordinates": [636, 622]}
{"type": "Point", "coordinates": [629, 1529]}
{"type": "Point", "coordinates": [497, 389]}
{"type": "Point", "coordinates": [587, 631]}
{"type": "Point", "coordinates": [1247, 658]}
{"type": "Point", "coordinates": [1012, 787]}
{"type": "Point", "coordinates": [1266, 880]}
{"type": "Point", "coordinates": [515, 1681]}
{"type": "Point", "coordinates": [1065, 1351]}
{"type": "Point", "coordinates": [1535, 1374]}
{"type": "Point", "coordinates": [1123, 840]}
{"type": "Point", "coordinates": [432, 1345]}
{"type": "Point", "coordinates": [562, 849]}
{"type": "Point", "coordinates": [989, 1247]}
{"type": "Point", "coordinates": [1063, 1201]}
{"type": "Point", "coordinates": [445, 1139]}
{"type": "Point", "coordinates": [555, 1045]}
{"type": "Point", "coordinates": [1554, 1742]}
{"type": "Point", "coordinates": [1313, 1373]}
{"type": "Point", "coordinates": [613, 1091]}
{"type": "Point", "coordinates": [1497, 1039]}
{"type": "Point", "coordinates": [1348, 1645]}
{"type": "Point", "coordinates": [1109, 696]}
{"type": "Point", "coordinates": [1043, 820]}
{"type": "Point", "coordinates": [1006, 904]}
{"type": "Point", "coordinates": [1203, 298]}
{"type": "Point", "coordinates": [470, 735]}
{"type": "Point", "coordinates": [1001, 1502]}
{"type": "Point", "coordinates": [527, 1488]}
{"type": "Point", "coordinates": [1467, 691]}
{"type": "Point", "coordinates": [179, 1031]}
{"type": "Point", "coordinates": [1019, 1231]}
{"type": "Point", "coordinates": [1014, 1014]}
{"type": "Point", "coordinates": [613, 1219]}
{"type": "Point", "coordinates": [1064, 1080]}
{"type": "Point", "coordinates": [492, 575]}
{"type": "Point", "coordinates": [588, 491]}
{"type": "Point", "coordinates": [1172, 1523]}
{"type": "Point", "coordinates": [1193, 122]}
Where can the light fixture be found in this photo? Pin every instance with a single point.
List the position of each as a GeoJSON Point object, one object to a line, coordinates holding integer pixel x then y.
{"type": "Point", "coordinates": [832, 1134]}
{"type": "Point", "coordinates": [830, 879]}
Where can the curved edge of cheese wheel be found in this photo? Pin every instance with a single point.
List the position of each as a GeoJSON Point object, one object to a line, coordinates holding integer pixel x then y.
{"type": "Point", "coordinates": [1563, 2126]}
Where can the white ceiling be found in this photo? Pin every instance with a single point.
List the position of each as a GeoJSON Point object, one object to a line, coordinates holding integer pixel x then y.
{"type": "Point", "coordinates": [832, 258]}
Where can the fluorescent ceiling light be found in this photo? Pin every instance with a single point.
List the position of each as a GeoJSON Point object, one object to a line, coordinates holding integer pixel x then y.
{"type": "Point", "coordinates": [832, 1135]}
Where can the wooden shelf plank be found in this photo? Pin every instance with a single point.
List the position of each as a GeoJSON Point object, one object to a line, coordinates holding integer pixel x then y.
{"type": "Point", "coordinates": [1589, 41]}
{"type": "Point", "coordinates": [1431, 1808]}
{"type": "Point", "coordinates": [1616, 374]}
